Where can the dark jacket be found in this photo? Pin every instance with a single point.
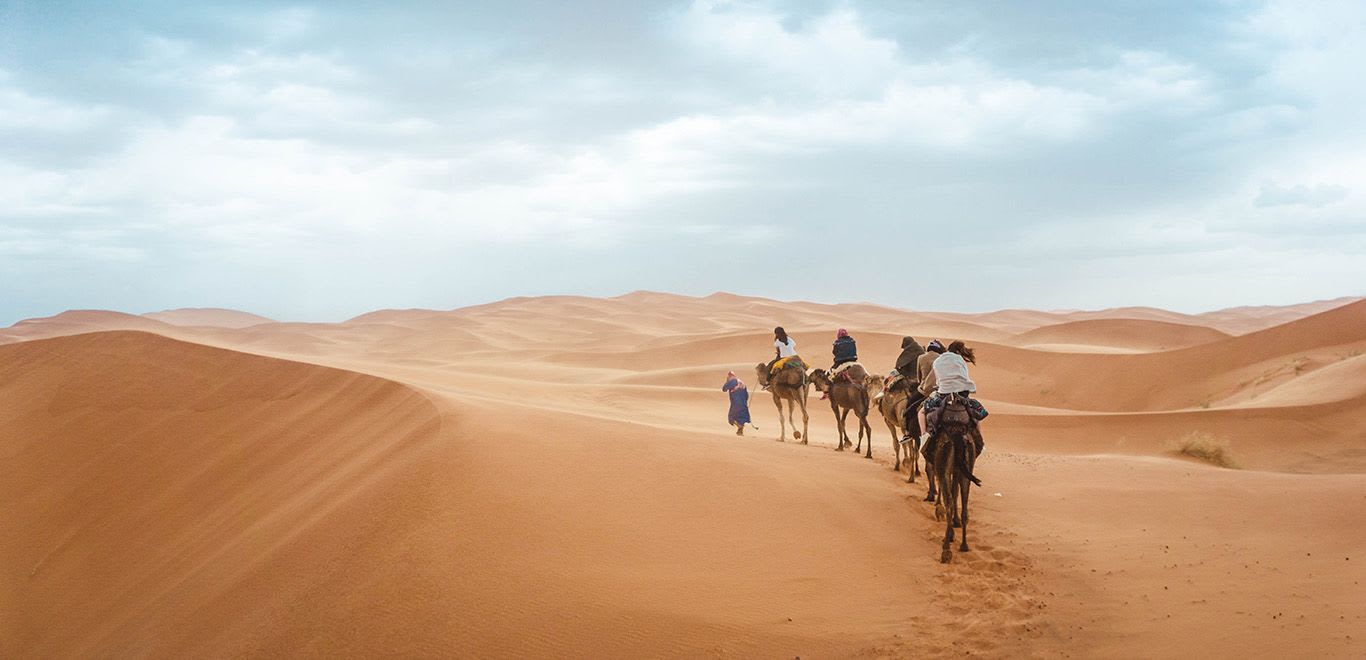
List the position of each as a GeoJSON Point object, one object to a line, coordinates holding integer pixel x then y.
{"type": "Point", "coordinates": [905, 363]}
{"type": "Point", "coordinates": [845, 350]}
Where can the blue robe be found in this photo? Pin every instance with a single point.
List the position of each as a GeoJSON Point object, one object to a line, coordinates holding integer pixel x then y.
{"type": "Point", "coordinates": [739, 402]}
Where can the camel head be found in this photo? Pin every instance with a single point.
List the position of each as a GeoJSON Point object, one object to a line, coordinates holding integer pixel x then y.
{"type": "Point", "coordinates": [874, 384]}
{"type": "Point", "coordinates": [761, 372]}
{"type": "Point", "coordinates": [820, 380]}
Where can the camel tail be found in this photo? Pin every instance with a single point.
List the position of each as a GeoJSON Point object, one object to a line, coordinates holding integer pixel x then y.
{"type": "Point", "coordinates": [967, 469]}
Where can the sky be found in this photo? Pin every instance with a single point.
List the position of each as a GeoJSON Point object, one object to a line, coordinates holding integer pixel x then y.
{"type": "Point", "coordinates": [317, 161]}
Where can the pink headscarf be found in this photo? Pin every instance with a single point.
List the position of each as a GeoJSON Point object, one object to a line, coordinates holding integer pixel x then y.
{"type": "Point", "coordinates": [842, 333]}
{"type": "Point", "coordinates": [730, 375]}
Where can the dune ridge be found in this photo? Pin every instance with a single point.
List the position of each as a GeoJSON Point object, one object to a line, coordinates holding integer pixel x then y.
{"type": "Point", "coordinates": [177, 499]}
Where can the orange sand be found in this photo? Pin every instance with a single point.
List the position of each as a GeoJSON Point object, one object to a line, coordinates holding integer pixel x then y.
{"type": "Point", "coordinates": [553, 477]}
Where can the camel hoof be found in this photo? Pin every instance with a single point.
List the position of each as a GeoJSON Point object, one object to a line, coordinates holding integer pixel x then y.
{"type": "Point", "coordinates": [803, 442]}
{"type": "Point", "coordinates": [945, 556]}
{"type": "Point", "coordinates": [963, 548]}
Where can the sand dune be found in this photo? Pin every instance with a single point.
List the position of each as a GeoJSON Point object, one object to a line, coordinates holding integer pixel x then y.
{"type": "Point", "coordinates": [208, 316]}
{"type": "Point", "coordinates": [178, 500]}
{"type": "Point", "coordinates": [1118, 334]}
{"type": "Point", "coordinates": [77, 322]}
{"type": "Point", "coordinates": [552, 476]}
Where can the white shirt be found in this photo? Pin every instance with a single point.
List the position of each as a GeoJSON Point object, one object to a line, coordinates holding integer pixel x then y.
{"type": "Point", "coordinates": [951, 374]}
{"type": "Point", "coordinates": [786, 350]}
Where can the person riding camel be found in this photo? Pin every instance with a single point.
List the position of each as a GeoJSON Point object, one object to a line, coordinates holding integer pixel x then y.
{"type": "Point", "coordinates": [950, 371]}
{"type": "Point", "coordinates": [784, 351]}
{"type": "Point", "coordinates": [846, 353]}
{"type": "Point", "coordinates": [924, 387]}
{"type": "Point", "coordinates": [904, 371]}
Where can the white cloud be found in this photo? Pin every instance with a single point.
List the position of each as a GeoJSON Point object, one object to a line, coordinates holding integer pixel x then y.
{"type": "Point", "coordinates": [1273, 194]}
{"type": "Point", "coordinates": [714, 124]}
{"type": "Point", "coordinates": [20, 110]}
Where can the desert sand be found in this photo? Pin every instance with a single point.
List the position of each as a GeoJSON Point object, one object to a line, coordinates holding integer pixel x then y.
{"type": "Point", "coordinates": [553, 476]}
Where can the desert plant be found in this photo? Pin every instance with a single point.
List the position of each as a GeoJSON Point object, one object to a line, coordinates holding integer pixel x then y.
{"type": "Point", "coordinates": [1201, 445]}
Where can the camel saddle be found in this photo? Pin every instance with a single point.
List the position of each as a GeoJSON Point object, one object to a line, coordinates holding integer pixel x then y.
{"type": "Point", "coordinates": [956, 411]}
{"type": "Point", "coordinates": [794, 362]}
{"type": "Point", "coordinates": [897, 380]}
{"type": "Point", "coordinates": [840, 371]}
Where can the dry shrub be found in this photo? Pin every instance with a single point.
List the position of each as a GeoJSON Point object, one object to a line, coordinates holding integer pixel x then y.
{"type": "Point", "coordinates": [1206, 447]}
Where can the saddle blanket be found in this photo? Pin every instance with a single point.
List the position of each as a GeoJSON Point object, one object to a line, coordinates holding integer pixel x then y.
{"type": "Point", "coordinates": [840, 369]}
{"type": "Point", "coordinates": [793, 361]}
{"type": "Point", "coordinates": [894, 378]}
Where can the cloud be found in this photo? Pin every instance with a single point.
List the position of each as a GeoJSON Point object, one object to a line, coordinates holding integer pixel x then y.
{"type": "Point", "coordinates": [229, 143]}
{"type": "Point", "coordinates": [1272, 194]}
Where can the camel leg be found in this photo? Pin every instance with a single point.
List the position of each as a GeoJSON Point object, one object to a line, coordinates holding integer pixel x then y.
{"type": "Point", "coordinates": [932, 475]}
{"type": "Point", "coordinates": [914, 450]}
{"type": "Point", "coordinates": [965, 488]}
{"type": "Point", "coordinates": [782, 428]}
{"type": "Point", "coordinates": [805, 417]}
{"type": "Point", "coordinates": [859, 448]}
{"type": "Point", "coordinates": [839, 427]}
{"type": "Point", "coordinates": [792, 405]}
{"type": "Point", "coordinates": [896, 444]}
{"type": "Point", "coordinates": [946, 550]}
{"type": "Point", "coordinates": [866, 429]}
{"type": "Point", "coordinates": [948, 497]}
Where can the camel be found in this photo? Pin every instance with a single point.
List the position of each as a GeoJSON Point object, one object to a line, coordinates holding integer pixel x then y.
{"type": "Point", "coordinates": [955, 454]}
{"type": "Point", "coordinates": [788, 385]}
{"type": "Point", "coordinates": [848, 395]}
{"type": "Point", "coordinates": [893, 406]}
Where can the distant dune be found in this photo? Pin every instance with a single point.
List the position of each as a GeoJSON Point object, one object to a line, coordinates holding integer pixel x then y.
{"type": "Point", "coordinates": [553, 476]}
{"type": "Point", "coordinates": [209, 316]}
{"type": "Point", "coordinates": [1120, 334]}
{"type": "Point", "coordinates": [76, 322]}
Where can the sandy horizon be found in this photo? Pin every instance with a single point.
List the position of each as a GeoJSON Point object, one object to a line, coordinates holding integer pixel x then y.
{"type": "Point", "coordinates": [553, 476]}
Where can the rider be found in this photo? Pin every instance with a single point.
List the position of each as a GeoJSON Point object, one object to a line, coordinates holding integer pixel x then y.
{"type": "Point", "coordinates": [844, 349]}
{"type": "Point", "coordinates": [783, 347]}
{"type": "Point", "coordinates": [924, 385]}
{"type": "Point", "coordinates": [845, 352]}
{"type": "Point", "coordinates": [905, 363]}
{"type": "Point", "coordinates": [951, 377]}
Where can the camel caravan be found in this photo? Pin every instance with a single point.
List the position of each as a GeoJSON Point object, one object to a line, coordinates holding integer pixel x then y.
{"type": "Point", "coordinates": [925, 402]}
